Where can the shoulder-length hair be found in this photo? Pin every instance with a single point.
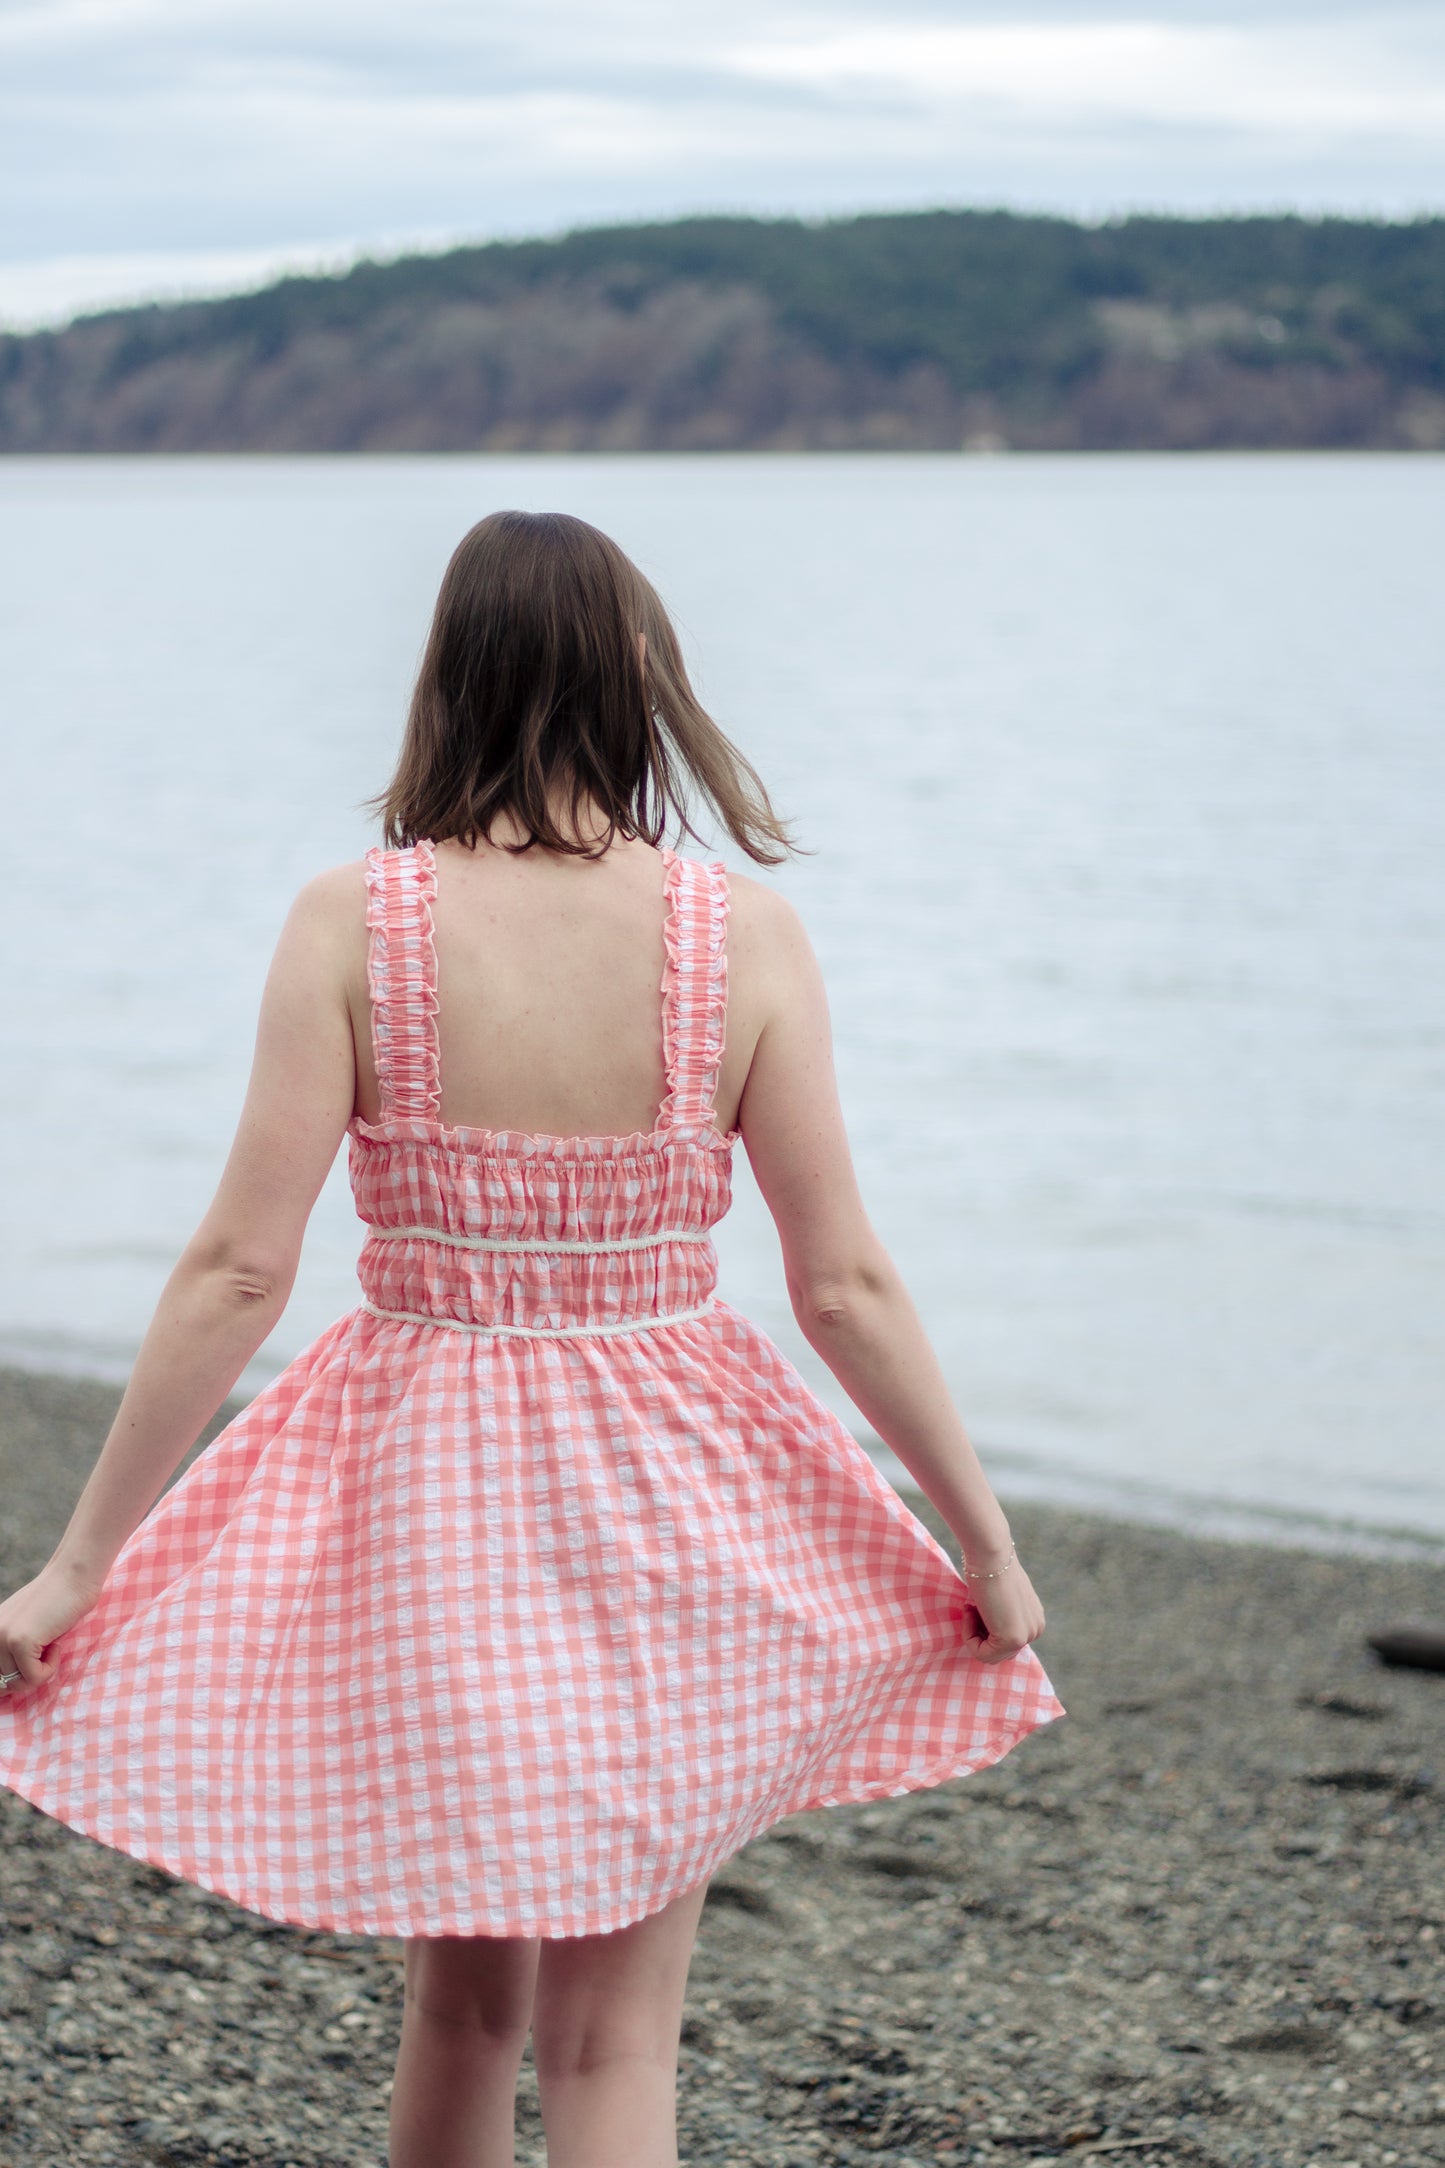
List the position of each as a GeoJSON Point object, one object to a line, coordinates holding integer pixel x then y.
{"type": "Point", "coordinates": [535, 694]}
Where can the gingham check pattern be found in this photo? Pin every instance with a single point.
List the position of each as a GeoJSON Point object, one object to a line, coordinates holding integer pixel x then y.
{"type": "Point", "coordinates": [454, 1632]}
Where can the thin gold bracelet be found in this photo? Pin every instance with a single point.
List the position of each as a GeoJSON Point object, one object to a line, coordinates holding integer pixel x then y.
{"type": "Point", "coordinates": [998, 1572]}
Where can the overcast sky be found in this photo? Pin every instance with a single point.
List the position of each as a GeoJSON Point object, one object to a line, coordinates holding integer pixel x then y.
{"type": "Point", "coordinates": [160, 146]}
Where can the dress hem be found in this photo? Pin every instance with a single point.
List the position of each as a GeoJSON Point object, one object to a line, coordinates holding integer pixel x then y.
{"type": "Point", "coordinates": [993, 1748]}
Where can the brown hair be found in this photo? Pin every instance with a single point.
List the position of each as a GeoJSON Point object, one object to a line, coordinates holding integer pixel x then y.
{"type": "Point", "coordinates": [534, 691]}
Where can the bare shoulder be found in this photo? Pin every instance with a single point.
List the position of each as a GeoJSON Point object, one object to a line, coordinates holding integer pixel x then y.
{"type": "Point", "coordinates": [330, 910]}
{"type": "Point", "coordinates": [772, 972]}
{"type": "Point", "coordinates": [336, 889]}
{"type": "Point", "coordinates": [763, 925]}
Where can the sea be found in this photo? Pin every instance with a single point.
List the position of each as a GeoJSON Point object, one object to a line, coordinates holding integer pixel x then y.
{"type": "Point", "coordinates": [1122, 783]}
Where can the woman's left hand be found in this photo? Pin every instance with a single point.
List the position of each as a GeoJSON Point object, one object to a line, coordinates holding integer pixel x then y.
{"type": "Point", "coordinates": [33, 1619]}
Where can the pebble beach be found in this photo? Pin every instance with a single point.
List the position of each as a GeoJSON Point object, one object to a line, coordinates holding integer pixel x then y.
{"type": "Point", "coordinates": [1198, 1920]}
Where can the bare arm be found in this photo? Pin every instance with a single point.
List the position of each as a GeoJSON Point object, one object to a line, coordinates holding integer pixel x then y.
{"type": "Point", "coordinates": [234, 1277]}
{"type": "Point", "coordinates": [847, 1296]}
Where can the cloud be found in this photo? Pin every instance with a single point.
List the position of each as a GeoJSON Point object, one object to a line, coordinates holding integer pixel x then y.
{"type": "Point", "coordinates": [1347, 78]}
{"type": "Point", "coordinates": [170, 138]}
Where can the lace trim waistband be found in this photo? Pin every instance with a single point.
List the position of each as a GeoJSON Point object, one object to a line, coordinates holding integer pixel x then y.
{"type": "Point", "coordinates": [546, 1332]}
{"type": "Point", "coordinates": [497, 1245]}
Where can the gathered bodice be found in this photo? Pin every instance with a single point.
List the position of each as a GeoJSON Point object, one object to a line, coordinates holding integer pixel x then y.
{"type": "Point", "coordinates": [500, 1232]}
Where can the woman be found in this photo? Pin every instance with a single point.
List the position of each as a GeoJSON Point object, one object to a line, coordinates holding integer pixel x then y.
{"type": "Point", "coordinates": [541, 1583]}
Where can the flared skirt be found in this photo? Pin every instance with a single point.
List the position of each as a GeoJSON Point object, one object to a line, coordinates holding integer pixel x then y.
{"type": "Point", "coordinates": [448, 1634]}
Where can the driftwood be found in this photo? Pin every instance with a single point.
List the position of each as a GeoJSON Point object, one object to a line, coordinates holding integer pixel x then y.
{"type": "Point", "coordinates": [1412, 1647]}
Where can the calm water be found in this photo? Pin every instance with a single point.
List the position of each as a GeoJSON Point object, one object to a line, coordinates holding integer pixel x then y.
{"type": "Point", "coordinates": [1124, 779]}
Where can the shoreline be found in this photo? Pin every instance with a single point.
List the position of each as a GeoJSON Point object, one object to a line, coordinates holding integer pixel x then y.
{"type": "Point", "coordinates": [1198, 1919]}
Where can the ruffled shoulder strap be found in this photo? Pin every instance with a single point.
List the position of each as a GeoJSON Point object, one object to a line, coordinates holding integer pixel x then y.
{"type": "Point", "coordinates": [694, 989]}
{"type": "Point", "coordinates": [401, 977]}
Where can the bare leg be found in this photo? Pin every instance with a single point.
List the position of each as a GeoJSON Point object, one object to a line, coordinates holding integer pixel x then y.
{"type": "Point", "coordinates": [605, 2027]}
{"type": "Point", "coordinates": [463, 2029]}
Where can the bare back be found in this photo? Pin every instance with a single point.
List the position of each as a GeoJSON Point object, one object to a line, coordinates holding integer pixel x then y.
{"type": "Point", "coordinates": [549, 969]}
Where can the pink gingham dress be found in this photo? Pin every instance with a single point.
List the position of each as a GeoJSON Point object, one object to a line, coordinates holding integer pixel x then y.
{"type": "Point", "coordinates": [540, 1583]}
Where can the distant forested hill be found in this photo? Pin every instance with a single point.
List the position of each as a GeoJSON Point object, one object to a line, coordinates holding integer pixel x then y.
{"type": "Point", "coordinates": [917, 331]}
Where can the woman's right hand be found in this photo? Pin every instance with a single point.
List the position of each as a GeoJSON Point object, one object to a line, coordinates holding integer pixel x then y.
{"type": "Point", "coordinates": [33, 1619]}
{"type": "Point", "coordinates": [1006, 1616]}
